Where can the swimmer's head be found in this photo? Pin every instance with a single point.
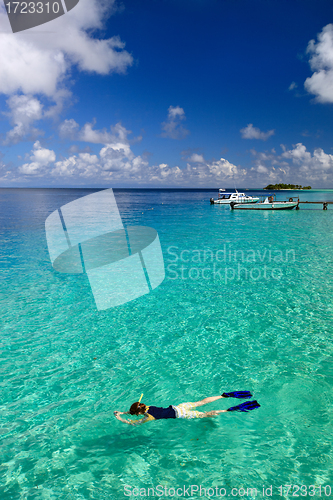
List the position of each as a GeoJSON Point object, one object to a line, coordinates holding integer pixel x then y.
{"type": "Point", "coordinates": [137, 408]}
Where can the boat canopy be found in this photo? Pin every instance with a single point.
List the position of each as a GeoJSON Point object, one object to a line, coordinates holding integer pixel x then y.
{"type": "Point", "coordinates": [227, 195]}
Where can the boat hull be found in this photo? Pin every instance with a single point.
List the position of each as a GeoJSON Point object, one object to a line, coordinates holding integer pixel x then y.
{"type": "Point", "coordinates": [279, 205]}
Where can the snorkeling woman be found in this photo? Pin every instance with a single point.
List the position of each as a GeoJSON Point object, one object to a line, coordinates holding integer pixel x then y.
{"type": "Point", "coordinates": [184, 410]}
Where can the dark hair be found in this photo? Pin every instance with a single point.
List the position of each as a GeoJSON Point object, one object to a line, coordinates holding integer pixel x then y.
{"type": "Point", "coordinates": [137, 408]}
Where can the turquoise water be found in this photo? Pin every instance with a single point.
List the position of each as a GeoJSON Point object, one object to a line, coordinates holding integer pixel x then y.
{"type": "Point", "coordinates": [260, 320]}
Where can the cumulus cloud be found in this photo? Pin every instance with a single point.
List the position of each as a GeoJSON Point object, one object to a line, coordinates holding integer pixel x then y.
{"type": "Point", "coordinates": [116, 160]}
{"type": "Point", "coordinates": [83, 165]}
{"type": "Point", "coordinates": [39, 64]}
{"type": "Point", "coordinates": [36, 69]}
{"type": "Point", "coordinates": [262, 169]}
{"type": "Point", "coordinates": [321, 62]}
{"type": "Point", "coordinates": [298, 154]}
{"type": "Point", "coordinates": [316, 166]}
{"type": "Point", "coordinates": [40, 158]}
{"type": "Point", "coordinates": [123, 166]}
{"type": "Point", "coordinates": [24, 111]}
{"type": "Point", "coordinates": [111, 164]}
{"type": "Point", "coordinates": [251, 132]}
{"type": "Point", "coordinates": [172, 127]}
{"type": "Point", "coordinates": [117, 164]}
{"type": "Point", "coordinates": [69, 129]}
{"type": "Point", "coordinates": [29, 68]}
{"type": "Point", "coordinates": [268, 168]}
{"type": "Point", "coordinates": [296, 165]}
{"type": "Point", "coordinates": [196, 158]}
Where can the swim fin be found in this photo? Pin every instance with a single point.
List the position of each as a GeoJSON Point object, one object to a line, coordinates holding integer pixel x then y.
{"type": "Point", "coordinates": [247, 406]}
{"type": "Point", "coordinates": [237, 394]}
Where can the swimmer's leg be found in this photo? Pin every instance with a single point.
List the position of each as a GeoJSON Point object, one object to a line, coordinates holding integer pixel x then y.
{"type": "Point", "coordinates": [212, 413]}
{"type": "Point", "coordinates": [207, 400]}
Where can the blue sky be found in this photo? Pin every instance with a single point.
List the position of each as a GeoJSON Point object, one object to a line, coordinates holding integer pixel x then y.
{"type": "Point", "coordinates": [170, 93]}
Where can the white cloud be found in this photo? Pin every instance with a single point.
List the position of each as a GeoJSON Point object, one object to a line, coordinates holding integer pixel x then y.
{"type": "Point", "coordinates": [69, 129]}
{"type": "Point", "coordinates": [118, 136]}
{"type": "Point", "coordinates": [293, 86]}
{"type": "Point", "coordinates": [298, 154]}
{"type": "Point", "coordinates": [87, 134]}
{"type": "Point", "coordinates": [316, 166]}
{"type": "Point", "coordinates": [296, 165]}
{"type": "Point", "coordinates": [41, 157]}
{"type": "Point", "coordinates": [172, 127]}
{"type": "Point", "coordinates": [262, 169]}
{"type": "Point", "coordinates": [251, 132]}
{"type": "Point", "coordinates": [36, 67]}
{"type": "Point", "coordinates": [27, 67]}
{"type": "Point", "coordinates": [220, 169]}
{"type": "Point", "coordinates": [195, 158]}
{"type": "Point", "coordinates": [24, 110]}
{"type": "Point", "coordinates": [117, 164]}
{"type": "Point", "coordinates": [83, 165]}
{"type": "Point", "coordinates": [321, 62]}
{"type": "Point", "coordinates": [175, 112]}
{"type": "Point", "coordinates": [39, 64]}
{"type": "Point", "coordinates": [116, 159]}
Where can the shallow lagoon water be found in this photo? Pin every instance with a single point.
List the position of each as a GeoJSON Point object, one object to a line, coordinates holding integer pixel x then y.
{"type": "Point", "coordinates": [260, 319]}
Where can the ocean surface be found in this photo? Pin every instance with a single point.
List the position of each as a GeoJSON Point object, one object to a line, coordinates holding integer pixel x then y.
{"type": "Point", "coordinates": [246, 304]}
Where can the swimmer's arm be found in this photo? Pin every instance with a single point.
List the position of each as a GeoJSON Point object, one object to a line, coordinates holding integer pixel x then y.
{"type": "Point", "coordinates": [143, 420]}
{"type": "Point", "coordinates": [118, 417]}
{"type": "Point", "coordinates": [146, 418]}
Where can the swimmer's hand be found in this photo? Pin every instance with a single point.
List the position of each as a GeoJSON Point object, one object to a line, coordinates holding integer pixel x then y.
{"type": "Point", "coordinates": [118, 417]}
{"type": "Point", "coordinates": [130, 422]}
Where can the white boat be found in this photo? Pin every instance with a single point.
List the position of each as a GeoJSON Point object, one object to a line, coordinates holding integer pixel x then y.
{"type": "Point", "coordinates": [269, 203]}
{"type": "Point", "coordinates": [227, 198]}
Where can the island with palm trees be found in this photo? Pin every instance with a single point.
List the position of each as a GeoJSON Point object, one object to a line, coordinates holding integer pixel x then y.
{"type": "Point", "coordinates": [286, 186]}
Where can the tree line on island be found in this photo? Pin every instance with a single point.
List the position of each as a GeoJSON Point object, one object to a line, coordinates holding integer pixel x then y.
{"type": "Point", "coordinates": [286, 186]}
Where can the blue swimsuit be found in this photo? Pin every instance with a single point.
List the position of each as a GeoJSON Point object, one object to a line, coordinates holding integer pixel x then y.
{"type": "Point", "coordinates": [159, 413]}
